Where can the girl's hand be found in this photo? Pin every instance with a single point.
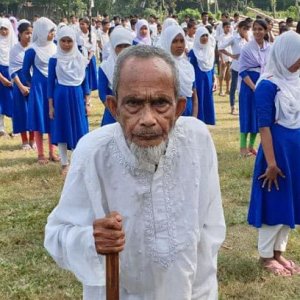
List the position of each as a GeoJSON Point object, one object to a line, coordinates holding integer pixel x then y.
{"type": "Point", "coordinates": [6, 82]}
{"type": "Point", "coordinates": [51, 112]}
{"type": "Point", "coordinates": [270, 177]}
{"type": "Point", "coordinates": [87, 108]}
{"type": "Point", "coordinates": [25, 90]}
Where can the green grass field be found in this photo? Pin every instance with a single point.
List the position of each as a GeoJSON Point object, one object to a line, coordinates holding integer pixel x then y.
{"type": "Point", "coordinates": [29, 192]}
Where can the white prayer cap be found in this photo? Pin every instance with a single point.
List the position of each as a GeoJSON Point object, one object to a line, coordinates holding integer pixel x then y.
{"type": "Point", "coordinates": [119, 36]}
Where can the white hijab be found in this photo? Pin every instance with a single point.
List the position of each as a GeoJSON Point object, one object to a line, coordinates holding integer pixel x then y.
{"type": "Point", "coordinates": [6, 42]}
{"type": "Point", "coordinates": [44, 49]}
{"type": "Point", "coordinates": [185, 69]}
{"type": "Point", "coordinates": [16, 58]}
{"type": "Point", "coordinates": [139, 39]}
{"type": "Point", "coordinates": [70, 67]}
{"type": "Point", "coordinates": [284, 53]}
{"type": "Point", "coordinates": [167, 23]}
{"type": "Point", "coordinates": [119, 36]}
{"type": "Point", "coordinates": [205, 54]}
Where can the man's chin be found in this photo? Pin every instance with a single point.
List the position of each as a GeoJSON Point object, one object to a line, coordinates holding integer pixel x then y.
{"type": "Point", "coordinates": [147, 142]}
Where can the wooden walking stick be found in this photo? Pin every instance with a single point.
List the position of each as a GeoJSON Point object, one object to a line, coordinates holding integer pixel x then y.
{"type": "Point", "coordinates": [112, 276]}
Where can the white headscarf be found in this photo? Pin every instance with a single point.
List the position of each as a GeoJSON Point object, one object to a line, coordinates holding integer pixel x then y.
{"type": "Point", "coordinates": [6, 42]}
{"type": "Point", "coordinates": [119, 36]}
{"type": "Point", "coordinates": [44, 49]}
{"type": "Point", "coordinates": [16, 57]}
{"type": "Point", "coordinates": [185, 69]}
{"type": "Point", "coordinates": [205, 54]}
{"type": "Point", "coordinates": [139, 39]}
{"type": "Point", "coordinates": [167, 23]}
{"type": "Point", "coordinates": [70, 67]}
{"type": "Point", "coordinates": [22, 21]}
{"type": "Point", "coordinates": [284, 53]}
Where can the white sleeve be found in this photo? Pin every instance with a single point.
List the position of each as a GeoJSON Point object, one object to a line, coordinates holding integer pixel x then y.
{"type": "Point", "coordinates": [205, 285]}
{"type": "Point", "coordinates": [223, 44]}
{"type": "Point", "coordinates": [69, 230]}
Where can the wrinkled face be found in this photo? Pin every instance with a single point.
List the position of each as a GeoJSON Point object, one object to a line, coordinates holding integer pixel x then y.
{"type": "Point", "coordinates": [258, 32]}
{"type": "Point", "coordinates": [51, 35]}
{"type": "Point", "coordinates": [84, 27]}
{"type": "Point", "coordinates": [121, 47]}
{"type": "Point", "coordinates": [66, 43]}
{"type": "Point", "coordinates": [226, 29]}
{"type": "Point", "coordinates": [178, 45]}
{"type": "Point", "coordinates": [204, 39]}
{"type": "Point", "coordinates": [145, 105]}
{"type": "Point", "coordinates": [4, 31]}
{"type": "Point", "coordinates": [295, 67]}
{"type": "Point", "coordinates": [143, 31]}
{"type": "Point", "coordinates": [25, 36]}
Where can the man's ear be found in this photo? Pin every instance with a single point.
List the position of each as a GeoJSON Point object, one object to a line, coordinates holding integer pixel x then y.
{"type": "Point", "coordinates": [111, 103]}
{"type": "Point", "coordinates": [180, 106]}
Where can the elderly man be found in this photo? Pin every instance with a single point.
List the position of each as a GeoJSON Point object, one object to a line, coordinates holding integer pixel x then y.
{"type": "Point", "coordinates": [146, 187]}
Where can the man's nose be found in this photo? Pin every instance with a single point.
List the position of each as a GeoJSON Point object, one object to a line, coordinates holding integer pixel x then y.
{"type": "Point", "coordinates": [147, 116]}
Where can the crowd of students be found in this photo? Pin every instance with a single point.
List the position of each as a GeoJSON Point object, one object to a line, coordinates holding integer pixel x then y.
{"type": "Point", "coordinates": [48, 71]}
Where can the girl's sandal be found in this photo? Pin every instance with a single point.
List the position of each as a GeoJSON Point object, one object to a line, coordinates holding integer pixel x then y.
{"type": "Point", "coordinates": [42, 160]}
{"type": "Point", "coordinates": [292, 267]}
{"type": "Point", "coordinates": [274, 267]}
{"type": "Point", "coordinates": [54, 158]}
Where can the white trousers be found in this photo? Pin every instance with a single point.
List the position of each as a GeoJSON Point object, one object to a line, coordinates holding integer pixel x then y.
{"type": "Point", "coordinates": [1, 122]}
{"type": "Point", "coordinates": [272, 238]}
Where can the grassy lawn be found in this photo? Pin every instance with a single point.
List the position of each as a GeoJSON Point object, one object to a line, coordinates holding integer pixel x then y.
{"type": "Point", "coordinates": [29, 192]}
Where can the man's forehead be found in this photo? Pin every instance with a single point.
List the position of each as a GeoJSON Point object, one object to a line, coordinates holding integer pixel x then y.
{"type": "Point", "coordinates": [137, 66]}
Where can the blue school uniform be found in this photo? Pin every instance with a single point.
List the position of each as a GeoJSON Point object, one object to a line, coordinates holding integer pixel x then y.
{"type": "Point", "coordinates": [70, 121]}
{"type": "Point", "coordinates": [283, 206]}
{"type": "Point", "coordinates": [38, 107]}
{"type": "Point", "coordinates": [6, 94]}
{"type": "Point", "coordinates": [247, 110]}
{"type": "Point", "coordinates": [92, 74]}
{"type": "Point", "coordinates": [204, 86]}
{"type": "Point", "coordinates": [20, 106]}
{"type": "Point", "coordinates": [104, 90]}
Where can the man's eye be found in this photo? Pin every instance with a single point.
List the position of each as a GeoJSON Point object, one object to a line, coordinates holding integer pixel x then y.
{"type": "Point", "coordinates": [133, 103]}
{"type": "Point", "coordinates": [160, 102]}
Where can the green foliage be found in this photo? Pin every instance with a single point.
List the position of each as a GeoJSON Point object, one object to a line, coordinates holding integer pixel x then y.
{"type": "Point", "coordinates": [193, 13]}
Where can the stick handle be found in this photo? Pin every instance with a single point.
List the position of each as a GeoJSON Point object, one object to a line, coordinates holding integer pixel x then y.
{"type": "Point", "coordinates": [112, 276]}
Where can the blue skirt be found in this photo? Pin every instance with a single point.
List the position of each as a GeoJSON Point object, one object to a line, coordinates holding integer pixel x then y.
{"type": "Point", "coordinates": [283, 206]}
{"type": "Point", "coordinates": [188, 107]}
{"type": "Point", "coordinates": [38, 106]}
{"type": "Point", "coordinates": [248, 118]}
{"type": "Point", "coordinates": [20, 111]}
{"type": "Point", "coordinates": [70, 121]}
{"type": "Point", "coordinates": [204, 85]}
{"type": "Point", "coordinates": [92, 74]}
{"type": "Point", "coordinates": [6, 95]}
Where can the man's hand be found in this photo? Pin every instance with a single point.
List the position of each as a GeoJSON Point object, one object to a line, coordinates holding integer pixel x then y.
{"type": "Point", "coordinates": [109, 235]}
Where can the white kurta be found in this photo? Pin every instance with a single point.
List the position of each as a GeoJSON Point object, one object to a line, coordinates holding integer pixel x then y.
{"type": "Point", "coordinates": [172, 216]}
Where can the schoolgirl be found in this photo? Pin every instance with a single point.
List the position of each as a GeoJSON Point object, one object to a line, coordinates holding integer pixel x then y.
{"type": "Point", "coordinates": [142, 32]}
{"type": "Point", "coordinates": [7, 41]}
{"type": "Point", "coordinates": [37, 57]}
{"type": "Point", "coordinates": [120, 39]}
{"type": "Point", "coordinates": [87, 42]}
{"type": "Point", "coordinates": [202, 57]}
{"type": "Point", "coordinates": [275, 203]}
{"type": "Point", "coordinates": [20, 89]}
{"type": "Point", "coordinates": [173, 41]}
{"type": "Point", "coordinates": [68, 94]}
{"type": "Point", "coordinates": [252, 62]}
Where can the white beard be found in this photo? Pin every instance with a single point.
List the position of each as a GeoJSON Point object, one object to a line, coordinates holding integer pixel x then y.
{"type": "Point", "coordinates": [150, 155]}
